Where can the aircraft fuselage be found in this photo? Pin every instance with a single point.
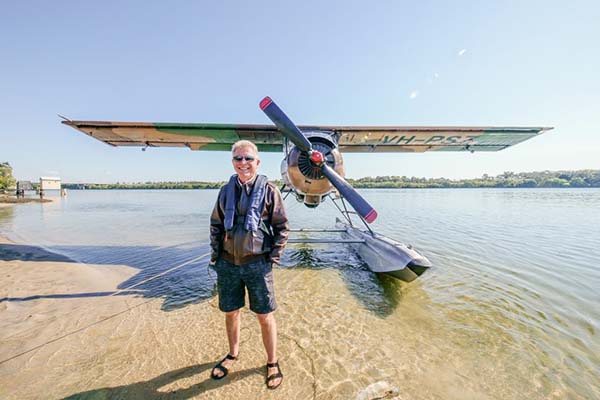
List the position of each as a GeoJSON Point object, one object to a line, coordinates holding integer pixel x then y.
{"type": "Point", "coordinates": [301, 175]}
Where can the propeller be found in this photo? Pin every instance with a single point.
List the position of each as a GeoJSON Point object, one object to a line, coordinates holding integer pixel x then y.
{"type": "Point", "coordinates": [295, 135]}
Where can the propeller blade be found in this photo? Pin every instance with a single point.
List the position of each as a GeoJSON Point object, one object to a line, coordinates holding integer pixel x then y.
{"type": "Point", "coordinates": [291, 131]}
{"type": "Point", "coordinates": [284, 124]}
{"type": "Point", "coordinates": [357, 202]}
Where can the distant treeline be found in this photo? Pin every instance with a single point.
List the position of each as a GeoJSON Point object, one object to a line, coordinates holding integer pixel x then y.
{"type": "Point", "coordinates": [543, 179]}
{"type": "Point", "coordinates": [145, 185]}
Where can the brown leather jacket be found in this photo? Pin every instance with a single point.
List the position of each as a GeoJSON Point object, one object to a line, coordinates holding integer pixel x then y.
{"type": "Point", "coordinates": [240, 246]}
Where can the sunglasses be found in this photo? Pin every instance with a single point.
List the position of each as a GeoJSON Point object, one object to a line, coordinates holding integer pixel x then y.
{"type": "Point", "coordinates": [247, 158]}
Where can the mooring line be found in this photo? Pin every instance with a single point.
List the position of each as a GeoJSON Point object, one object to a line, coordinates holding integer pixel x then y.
{"type": "Point", "coordinates": [161, 274]}
{"type": "Point", "coordinates": [110, 316]}
{"type": "Point", "coordinates": [75, 331]}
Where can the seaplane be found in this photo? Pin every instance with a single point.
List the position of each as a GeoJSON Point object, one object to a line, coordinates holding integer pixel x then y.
{"type": "Point", "coordinates": [312, 168]}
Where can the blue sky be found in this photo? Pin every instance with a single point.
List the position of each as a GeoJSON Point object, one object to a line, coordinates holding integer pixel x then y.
{"type": "Point", "coordinates": [513, 63]}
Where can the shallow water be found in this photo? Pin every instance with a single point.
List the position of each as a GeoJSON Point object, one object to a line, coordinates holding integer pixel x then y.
{"type": "Point", "coordinates": [510, 309]}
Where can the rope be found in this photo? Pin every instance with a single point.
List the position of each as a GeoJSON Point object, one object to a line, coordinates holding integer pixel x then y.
{"type": "Point", "coordinates": [161, 274]}
{"type": "Point", "coordinates": [74, 332]}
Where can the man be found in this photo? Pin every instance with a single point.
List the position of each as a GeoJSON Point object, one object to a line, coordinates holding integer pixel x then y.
{"type": "Point", "coordinates": [248, 232]}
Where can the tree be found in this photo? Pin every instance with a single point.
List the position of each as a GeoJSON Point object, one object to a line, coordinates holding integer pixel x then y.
{"type": "Point", "coordinates": [6, 178]}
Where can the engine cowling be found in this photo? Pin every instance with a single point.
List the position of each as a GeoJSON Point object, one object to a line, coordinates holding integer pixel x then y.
{"type": "Point", "coordinates": [301, 174]}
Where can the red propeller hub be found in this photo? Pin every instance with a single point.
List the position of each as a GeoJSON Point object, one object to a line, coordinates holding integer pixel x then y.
{"type": "Point", "coordinates": [316, 157]}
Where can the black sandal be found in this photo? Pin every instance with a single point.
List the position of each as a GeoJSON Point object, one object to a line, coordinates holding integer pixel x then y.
{"type": "Point", "coordinates": [274, 376]}
{"type": "Point", "coordinates": [221, 368]}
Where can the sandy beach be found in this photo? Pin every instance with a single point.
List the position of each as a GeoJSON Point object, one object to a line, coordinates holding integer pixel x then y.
{"type": "Point", "coordinates": [9, 201]}
{"type": "Point", "coordinates": [65, 334]}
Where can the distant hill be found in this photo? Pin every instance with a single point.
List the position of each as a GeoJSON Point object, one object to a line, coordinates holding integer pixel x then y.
{"type": "Point", "coordinates": [540, 179]}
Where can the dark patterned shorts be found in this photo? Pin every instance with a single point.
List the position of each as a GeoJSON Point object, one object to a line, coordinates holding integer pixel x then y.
{"type": "Point", "coordinates": [233, 280]}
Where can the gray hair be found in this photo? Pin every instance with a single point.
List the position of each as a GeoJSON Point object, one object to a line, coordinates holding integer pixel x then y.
{"type": "Point", "coordinates": [244, 143]}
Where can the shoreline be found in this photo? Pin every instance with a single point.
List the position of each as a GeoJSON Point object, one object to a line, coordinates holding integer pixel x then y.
{"type": "Point", "coordinates": [6, 200]}
{"type": "Point", "coordinates": [66, 334]}
{"type": "Point", "coordinates": [371, 187]}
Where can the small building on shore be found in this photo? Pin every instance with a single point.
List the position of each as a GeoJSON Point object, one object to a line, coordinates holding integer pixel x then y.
{"type": "Point", "coordinates": [49, 183]}
{"type": "Point", "coordinates": [24, 186]}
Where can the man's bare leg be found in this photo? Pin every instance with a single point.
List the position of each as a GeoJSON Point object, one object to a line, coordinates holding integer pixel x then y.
{"type": "Point", "coordinates": [268, 328]}
{"type": "Point", "coordinates": [232, 325]}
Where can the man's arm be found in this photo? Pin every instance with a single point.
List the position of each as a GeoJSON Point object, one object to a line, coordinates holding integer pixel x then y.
{"type": "Point", "coordinates": [279, 224]}
{"type": "Point", "coordinates": [217, 229]}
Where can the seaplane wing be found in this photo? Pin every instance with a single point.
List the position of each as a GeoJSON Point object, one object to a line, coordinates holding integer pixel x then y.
{"type": "Point", "coordinates": [351, 139]}
{"type": "Point", "coordinates": [193, 136]}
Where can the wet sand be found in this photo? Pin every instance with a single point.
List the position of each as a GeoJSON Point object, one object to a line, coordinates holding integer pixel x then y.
{"type": "Point", "coordinates": [7, 201]}
{"type": "Point", "coordinates": [64, 335]}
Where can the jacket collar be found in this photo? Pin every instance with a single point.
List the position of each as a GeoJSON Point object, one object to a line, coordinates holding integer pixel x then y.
{"type": "Point", "coordinates": [248, 185]}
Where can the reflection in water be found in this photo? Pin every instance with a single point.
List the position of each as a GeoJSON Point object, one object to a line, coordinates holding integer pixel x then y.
{"type": "Point", "coordinates": [6, 215]}
{"type": "Point", "coordinates": [392, 289]}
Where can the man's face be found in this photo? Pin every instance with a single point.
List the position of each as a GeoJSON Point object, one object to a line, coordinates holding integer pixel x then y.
{"type": "Point", "coordinates": [245, 162]}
